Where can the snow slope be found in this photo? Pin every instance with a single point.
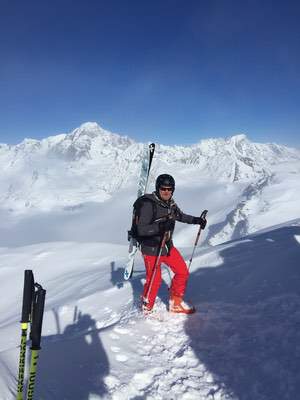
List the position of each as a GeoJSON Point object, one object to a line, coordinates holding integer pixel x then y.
{"type": "Point", "coordinates": [243, 343]}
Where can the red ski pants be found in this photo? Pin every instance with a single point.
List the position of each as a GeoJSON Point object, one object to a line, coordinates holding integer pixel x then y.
{"type": "Point", "coordinates": [177, 264]}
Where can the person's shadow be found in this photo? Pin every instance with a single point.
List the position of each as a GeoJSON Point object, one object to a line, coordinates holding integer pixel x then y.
{"type": "Point", "coordinates": [72, 364]}
{"type": "Point", "coordinates": [247, 328]}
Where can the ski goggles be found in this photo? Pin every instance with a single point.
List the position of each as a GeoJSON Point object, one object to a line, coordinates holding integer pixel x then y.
{"type": "Point", "coordinates": [166, 189]}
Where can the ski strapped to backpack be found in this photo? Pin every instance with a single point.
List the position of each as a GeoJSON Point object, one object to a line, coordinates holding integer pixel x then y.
{"type": "Point", "coordinates": [142, 188]}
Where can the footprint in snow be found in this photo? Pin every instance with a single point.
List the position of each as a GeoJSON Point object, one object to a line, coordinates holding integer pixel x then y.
{"type": "Point", "coordinates": [115, 349]}
{"type": "Point", "coordinates": [114, 336]}
{"type": "Point", "coordinates": [121, 358]}
{"type": "Point", "coordinates": [121, 331]}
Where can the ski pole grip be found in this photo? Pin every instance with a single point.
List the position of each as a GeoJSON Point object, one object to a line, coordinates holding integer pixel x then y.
{"type": "Point", "coordinates": [37, 318]}
{"type": "Point", "coordinates": [28, 292]}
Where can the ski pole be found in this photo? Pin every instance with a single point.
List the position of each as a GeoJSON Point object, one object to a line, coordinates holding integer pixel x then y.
{"type": "Point", "coordinates": [35, 335]}
{"type": "Point", "coordinates": [203, 215]}
{"type": "Point", "coordinates": [163, 243]}
{"type": "Point", "coordinates": [28, 292]}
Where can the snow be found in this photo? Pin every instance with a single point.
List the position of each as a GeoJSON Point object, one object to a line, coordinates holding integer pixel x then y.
{"type": "Point", "coordinates": [243, 341]}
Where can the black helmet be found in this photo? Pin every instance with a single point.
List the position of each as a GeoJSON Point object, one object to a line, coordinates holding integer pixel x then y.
{"type": "Point", "coordinates": [164, 180]}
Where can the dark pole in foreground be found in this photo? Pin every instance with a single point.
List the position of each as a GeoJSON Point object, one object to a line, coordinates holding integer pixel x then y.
{"type": "Point", "coordinates": [35, 336]}
{"type": "Point", "coordinates": [203, 215]}
{"type": "Point", "coordinates": [28, 292]}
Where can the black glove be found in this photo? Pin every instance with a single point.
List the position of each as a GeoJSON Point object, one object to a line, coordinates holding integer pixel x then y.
{"type": "Point", "coordinates": [200, 221]}
{"type": "Point", "coordinates": [166, 226]}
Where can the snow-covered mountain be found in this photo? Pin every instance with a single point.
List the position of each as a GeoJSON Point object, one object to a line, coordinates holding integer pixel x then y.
{"type": "Point", "coordinates": [91, 164]}
{"type": "Point", "coordinates": [65, 207]}
{"type": "Point", "coordinates": [65, 170]}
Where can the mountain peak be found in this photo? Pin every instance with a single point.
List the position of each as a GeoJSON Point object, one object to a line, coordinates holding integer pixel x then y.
{"type": "Point", "coordinates": [88, 141]}
{"type": "Point", "coordinates": [90, 126]}
{"type": "Point", "coordinates": [238, 138]}
{"type": "Point", "coordinates": [91, 129]}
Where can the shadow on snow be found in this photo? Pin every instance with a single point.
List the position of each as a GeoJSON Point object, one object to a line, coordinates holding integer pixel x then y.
{"type": "Point", "coordinates": [73, 364]}
{"type": "Point", "coordinates": [247, 330]}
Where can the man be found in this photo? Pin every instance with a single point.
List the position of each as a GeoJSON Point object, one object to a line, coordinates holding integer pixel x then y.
{"type": "Point", "coordinates": [156, 221]}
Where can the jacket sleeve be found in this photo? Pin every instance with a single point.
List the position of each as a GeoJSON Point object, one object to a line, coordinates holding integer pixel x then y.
{"type": "Point", "coordinates": [144, 225]}
{"type": "Point", "coordinates": [182, 217]}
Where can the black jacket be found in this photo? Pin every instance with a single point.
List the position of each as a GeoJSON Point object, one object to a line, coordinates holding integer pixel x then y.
{"type": "Point", "coordinates": [153, 211]}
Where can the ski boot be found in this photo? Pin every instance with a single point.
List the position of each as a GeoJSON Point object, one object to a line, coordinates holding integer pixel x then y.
{"type": "Point", "coordinates": [177, 305]}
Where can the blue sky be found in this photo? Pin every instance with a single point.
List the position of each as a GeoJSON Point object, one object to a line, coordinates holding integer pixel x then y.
{"type": "Point", "coordinates": [168, 71]}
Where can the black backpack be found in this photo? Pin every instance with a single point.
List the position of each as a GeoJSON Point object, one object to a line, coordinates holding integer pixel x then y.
{"type": "Point", "coordinates": [137, 205]}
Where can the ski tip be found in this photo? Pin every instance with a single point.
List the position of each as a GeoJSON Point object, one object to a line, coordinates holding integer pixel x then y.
{"type": "Point", "coordinates": [126, 275]}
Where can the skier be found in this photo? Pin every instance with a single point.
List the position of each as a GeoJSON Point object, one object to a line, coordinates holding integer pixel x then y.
{"type": "Point", "coordinates": [156, 220]}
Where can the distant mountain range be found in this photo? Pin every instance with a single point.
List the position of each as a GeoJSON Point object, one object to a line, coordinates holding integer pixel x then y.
{"type": "Point", "coordinates": [91, 164]}
{"type": "Point", "coordinates": [243, 181]}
